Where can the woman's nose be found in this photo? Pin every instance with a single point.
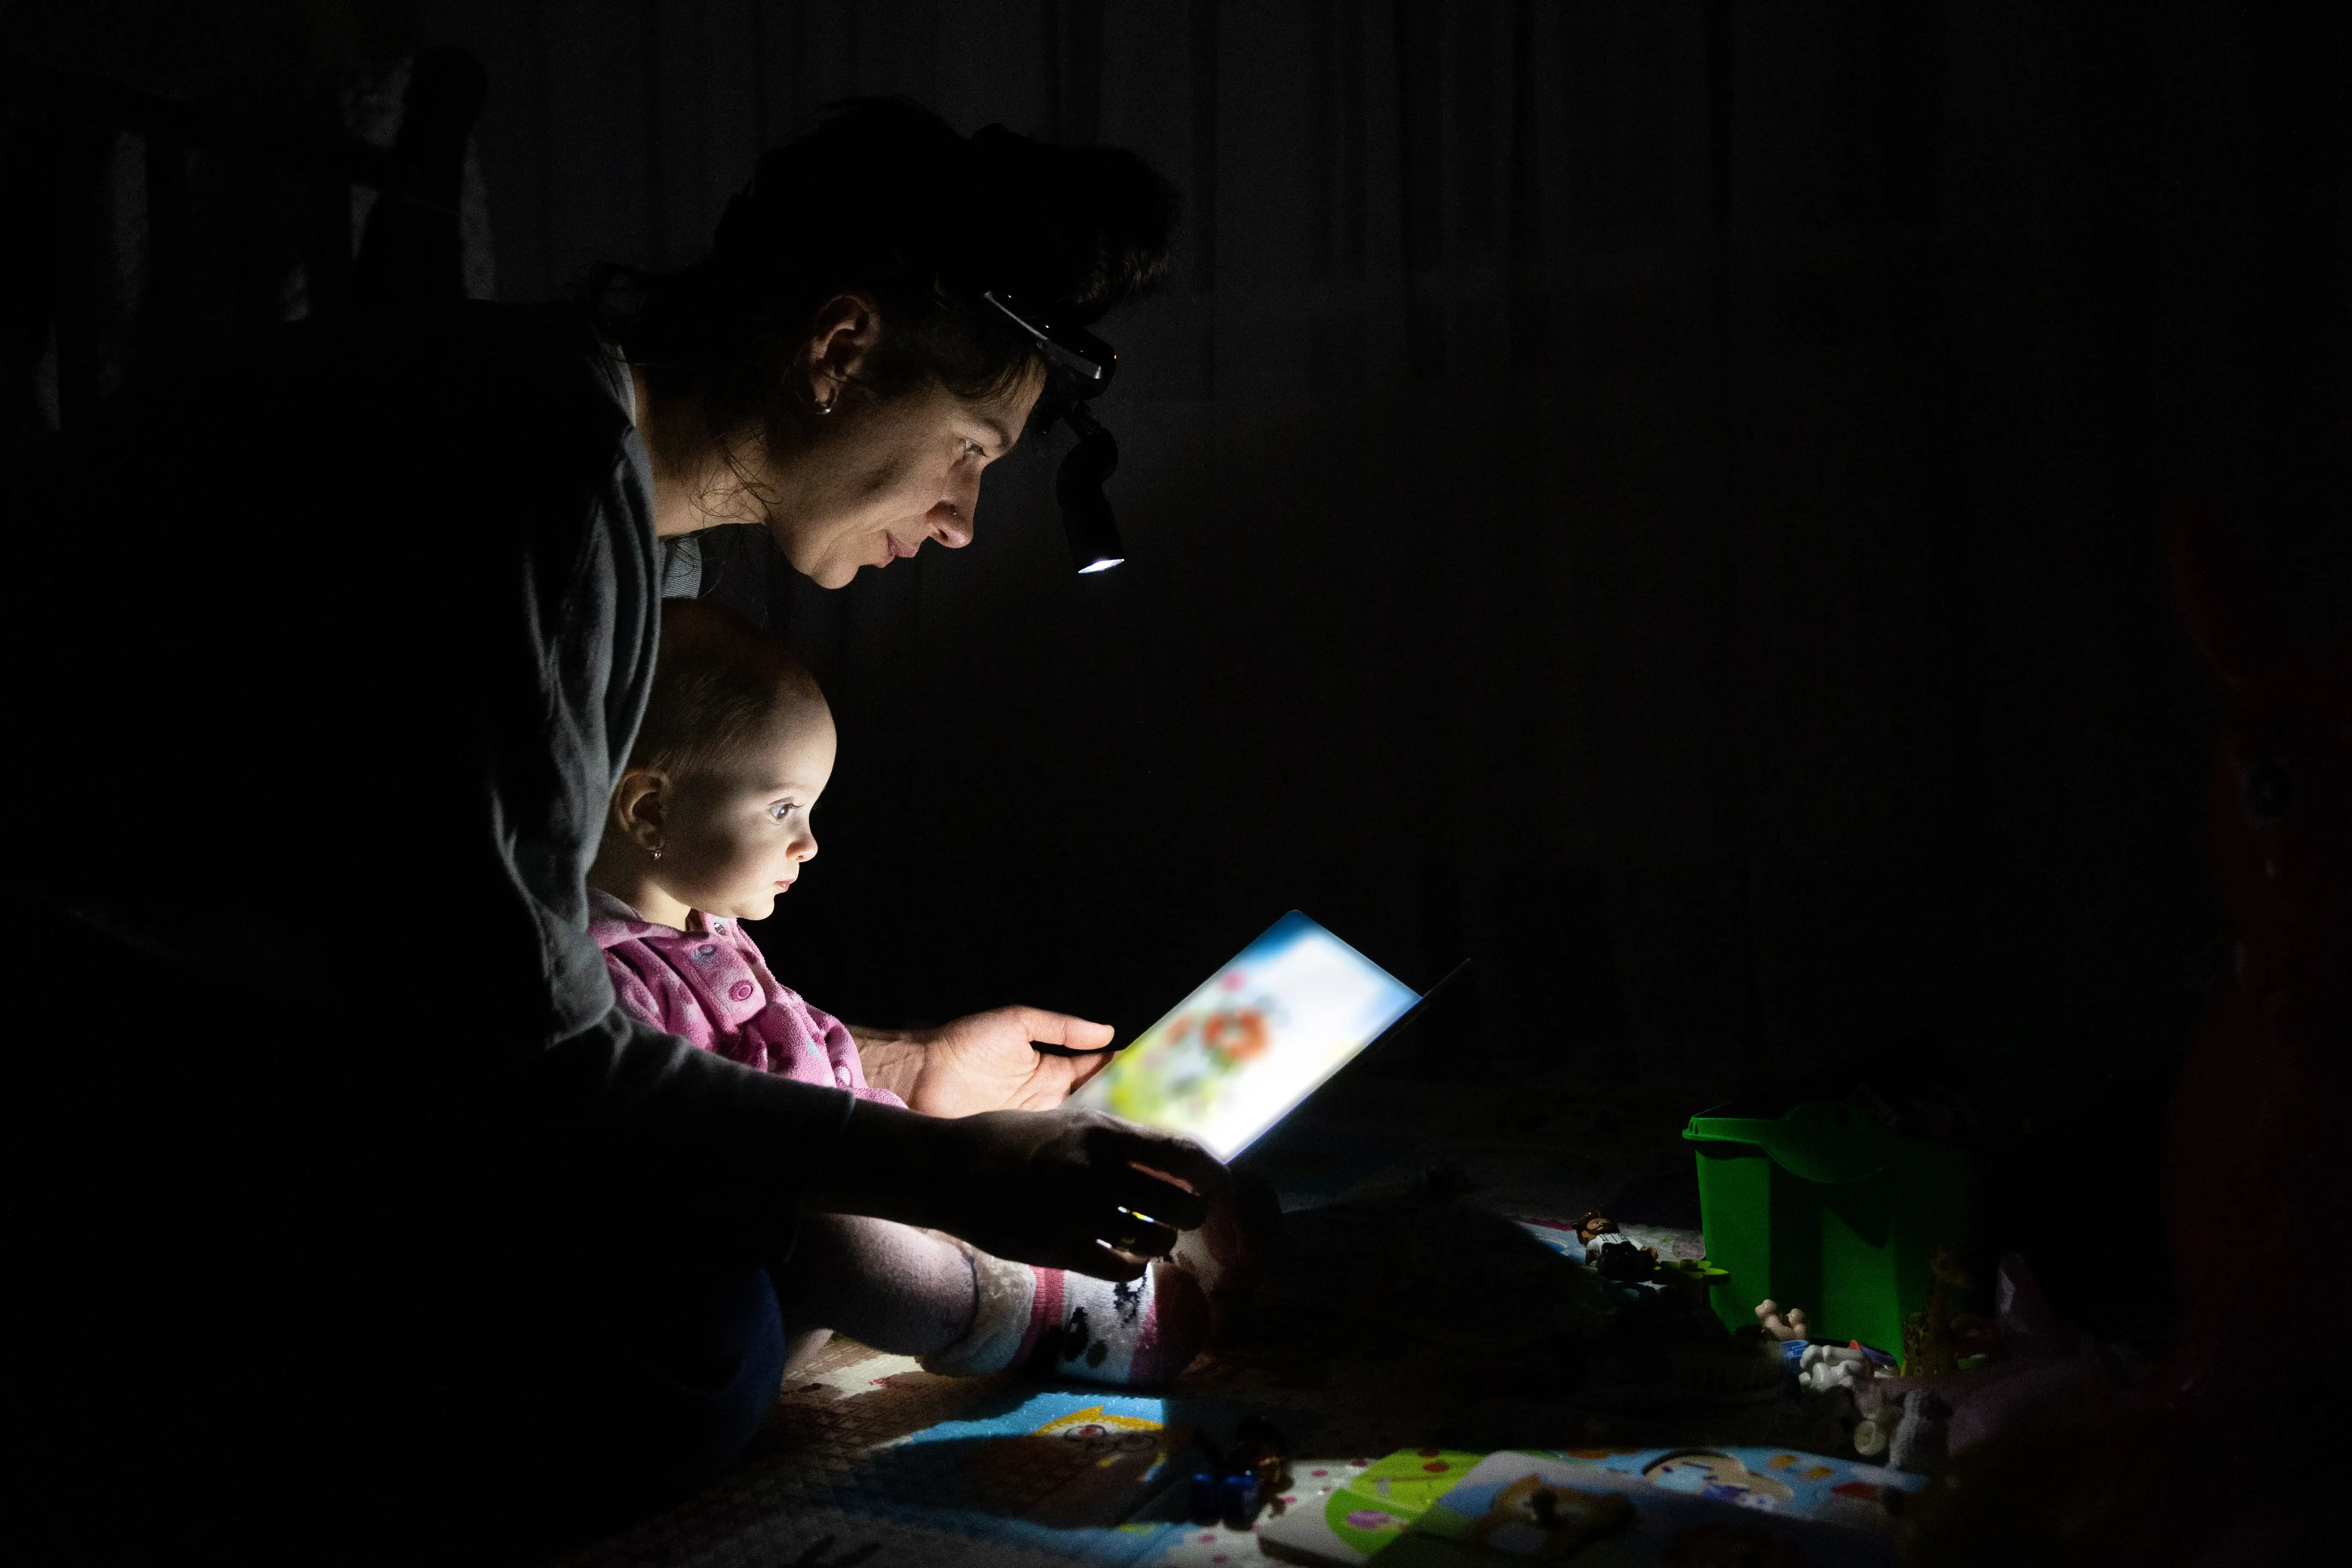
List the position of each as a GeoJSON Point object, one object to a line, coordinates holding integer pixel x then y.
{"type": "Point", "coordinates": [951, 519]}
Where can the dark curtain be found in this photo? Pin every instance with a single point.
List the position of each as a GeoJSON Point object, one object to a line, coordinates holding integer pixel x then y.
{"type": "Point", "coordinates": [1660, 495]}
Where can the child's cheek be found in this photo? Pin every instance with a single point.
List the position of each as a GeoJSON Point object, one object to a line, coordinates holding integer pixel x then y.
{"type": "Point", "coordinates": [746, 866]}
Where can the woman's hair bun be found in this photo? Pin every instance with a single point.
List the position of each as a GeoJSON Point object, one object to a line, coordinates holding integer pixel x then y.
{"type": "Point", "coordinates": [882, 197]}
{"type": "Point", "coordinates": [877, 189]}
{"type": "Point", "coordinates": [1085, 229]}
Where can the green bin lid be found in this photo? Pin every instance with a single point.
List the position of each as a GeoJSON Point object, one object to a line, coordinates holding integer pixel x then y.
{"type": "Point", "coordinates": [1833, 1145]}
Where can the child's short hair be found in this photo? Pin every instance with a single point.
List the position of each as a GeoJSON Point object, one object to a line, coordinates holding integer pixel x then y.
{"type": "Point", "coordinates": [719, 681]}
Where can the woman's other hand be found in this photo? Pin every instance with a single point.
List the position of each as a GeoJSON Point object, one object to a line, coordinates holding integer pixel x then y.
{"type": "Point", "coordinates": [1061, 1189]}
{"type": "Point", "coordinates": [988, 1061]}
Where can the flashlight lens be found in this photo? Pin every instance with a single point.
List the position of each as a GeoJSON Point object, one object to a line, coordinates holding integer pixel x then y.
{"type": "Point", "coordinates": [1104, 564]}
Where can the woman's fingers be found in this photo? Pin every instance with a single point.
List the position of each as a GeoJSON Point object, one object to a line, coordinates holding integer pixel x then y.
{"type": "Point", "coordinates": [1148, 1194]}
{"type": "Point", "coordinates": [1062, 1030]}
{"type": "Point", "coordinates": [1163, 1156]}
{"type": "Point", "coordinates": [1137, 1236]}
{"type": "Point", "coordinates": [1072, 1188]}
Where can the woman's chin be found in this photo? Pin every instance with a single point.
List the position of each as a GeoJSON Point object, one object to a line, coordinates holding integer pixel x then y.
{"type": "Point", "coordinates": [811, 556]}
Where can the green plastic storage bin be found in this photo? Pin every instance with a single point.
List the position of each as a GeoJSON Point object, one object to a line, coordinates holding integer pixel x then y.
{"type": "Point", "coordinates": [1823, 1208]}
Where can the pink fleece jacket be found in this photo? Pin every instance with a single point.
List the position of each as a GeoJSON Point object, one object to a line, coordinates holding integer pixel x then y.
{"type": "Point", "coordinates": [709, 985]}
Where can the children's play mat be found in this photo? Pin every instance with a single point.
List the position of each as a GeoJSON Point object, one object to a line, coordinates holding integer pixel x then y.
{"type": "Point", "coordinates": [1416, 1342]}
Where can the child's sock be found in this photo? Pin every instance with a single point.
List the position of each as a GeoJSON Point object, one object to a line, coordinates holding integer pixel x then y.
{"type": "Point", "coordinates": [1073, 1325]}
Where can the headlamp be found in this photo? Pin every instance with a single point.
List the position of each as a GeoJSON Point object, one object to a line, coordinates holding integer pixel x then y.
{"type": "Point", "coordinates": [1078, 365]}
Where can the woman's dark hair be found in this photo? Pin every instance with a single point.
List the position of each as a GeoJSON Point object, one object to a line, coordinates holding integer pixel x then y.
{"type": "Point", "coordinates": [890, 201]}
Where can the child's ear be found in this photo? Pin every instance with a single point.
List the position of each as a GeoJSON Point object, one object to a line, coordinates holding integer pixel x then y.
{"type": "Point", "coordinates": [637, 803]}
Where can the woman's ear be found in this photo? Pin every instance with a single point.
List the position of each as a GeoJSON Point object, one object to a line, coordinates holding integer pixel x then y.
{"type": "Point", "coordinates": [846, 327]}
{"type": "Point", "coordinates": [637, 807]}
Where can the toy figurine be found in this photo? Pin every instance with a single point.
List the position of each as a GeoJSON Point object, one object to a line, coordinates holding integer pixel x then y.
{"type": "Point", "coordinates": [1612, 1252]}
{"type": "Point", "coordinates": [1782, 1326]}
{"type": "Point", "coordinates": [2253, 1160]}
{"type": "Point", "coordinates": [1618, 1258]}
{"type": "Point", "coordinates": [1917, 1444]}
{"type": "Point", "coordinates": [1236, 1483]}
{"type": "Point", "coordinates": [1824, 1367]}
{"type": "Point", "coordinates": [1929, 1347]}
{"type": "Point", "coordinates": [1879, 1414]}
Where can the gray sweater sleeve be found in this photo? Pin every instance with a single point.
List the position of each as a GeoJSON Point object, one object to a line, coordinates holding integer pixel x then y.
{"type": "Point", "coordinates": [365, 675]}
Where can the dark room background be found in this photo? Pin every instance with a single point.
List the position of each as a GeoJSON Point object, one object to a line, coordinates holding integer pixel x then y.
{"type": "Point", "coordinates": [1661, 496]}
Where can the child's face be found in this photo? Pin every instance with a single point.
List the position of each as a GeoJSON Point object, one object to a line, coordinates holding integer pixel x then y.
{"type": "Point", "coordinates": [736, 835]}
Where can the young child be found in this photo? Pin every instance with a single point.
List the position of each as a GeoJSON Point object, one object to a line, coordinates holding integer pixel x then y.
{"type": "Point", "coordinates": [708, 826]}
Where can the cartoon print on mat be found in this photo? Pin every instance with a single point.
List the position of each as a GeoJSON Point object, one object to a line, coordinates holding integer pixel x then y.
{"type": "Point", "coordinates": [1085, 1468]}
{"type": "Point", "coordinates": [1103, 1438]}
{"type": "Point", "coordinates": [1532, 1518]}
{"type": "Point", "coordinates": [1702, 1472]}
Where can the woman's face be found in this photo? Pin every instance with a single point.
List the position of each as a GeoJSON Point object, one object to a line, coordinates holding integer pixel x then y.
{"type": "Point", "coordinates": [883, 477]}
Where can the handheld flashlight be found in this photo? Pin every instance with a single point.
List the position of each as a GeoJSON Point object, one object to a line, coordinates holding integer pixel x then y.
{"type": "Point", "coordinates": [1079, 366]}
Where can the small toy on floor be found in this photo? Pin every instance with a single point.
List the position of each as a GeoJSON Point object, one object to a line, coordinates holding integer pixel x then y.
{"type": "Point", "coordinates": [1918, 1442]}
{"type": "Point", "coordinates": [1824, 1367]}
{"type": "Point", "coordinates": [1782, 1325]}
{"type": "Point", "coordinates": [1908, 1426]}
{"type": "Point", "coordinates": [1613, 1252]}
{"type": "Point", "coordinates": [1236, 1483]}
{"type": "Point", "coordinates": [1879, 1414]}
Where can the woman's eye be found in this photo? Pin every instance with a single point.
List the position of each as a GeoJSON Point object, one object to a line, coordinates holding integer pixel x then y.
{"type": "Point", "coordinates": [972, 449]}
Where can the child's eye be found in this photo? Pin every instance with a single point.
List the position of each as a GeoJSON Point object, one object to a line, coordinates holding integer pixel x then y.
{"type": "Point", "coordinates": [781, 809]}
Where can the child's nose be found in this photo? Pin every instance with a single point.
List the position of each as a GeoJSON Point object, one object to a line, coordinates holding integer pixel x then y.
{"type": "Point", "coordinates": [805, 848]}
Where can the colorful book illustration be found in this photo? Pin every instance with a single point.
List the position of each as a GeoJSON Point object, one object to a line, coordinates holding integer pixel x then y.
{"type": "Point", "coordinates": [1263, 1033]}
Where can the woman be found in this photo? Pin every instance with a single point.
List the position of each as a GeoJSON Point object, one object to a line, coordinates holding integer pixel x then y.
{"type": "Point", "coordinates": [428, 1244]}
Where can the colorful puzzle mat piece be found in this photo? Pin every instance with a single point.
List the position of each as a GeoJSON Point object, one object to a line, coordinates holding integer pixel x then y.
{"type": "Point", "coordinates": [872, 1460]}
{"type": "Point", "coordinates": [1341, 1513]}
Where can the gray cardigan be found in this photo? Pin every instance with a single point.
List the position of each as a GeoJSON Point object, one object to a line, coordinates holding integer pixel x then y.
{"type": "Point", "coordinates": [350, 690]}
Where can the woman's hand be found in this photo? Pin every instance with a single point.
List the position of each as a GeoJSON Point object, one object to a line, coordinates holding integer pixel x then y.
{"type": "Point", "coordinates": [1062, 1189]}
{"type": "Point", "coordinates": [985, 1062]}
